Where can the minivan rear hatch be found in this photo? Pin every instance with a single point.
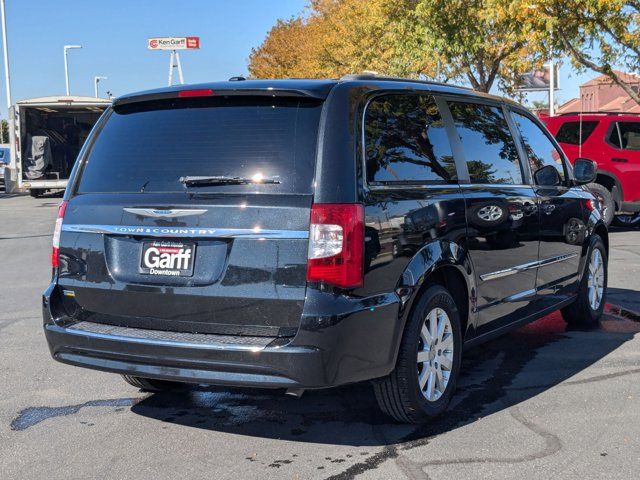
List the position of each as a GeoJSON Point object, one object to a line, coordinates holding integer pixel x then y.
{"type": "Point", "coordinates": [192, 214]}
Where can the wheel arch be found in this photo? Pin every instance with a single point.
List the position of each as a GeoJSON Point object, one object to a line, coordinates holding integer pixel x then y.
{"type": "Point", "coordinates": [595, 227]}
{"type": "Point", "coordinates": [444, 263]}
{"type": "Point", "coordinates": [611, 183]}
{"type": "Point", "coordinates": [601, 230]}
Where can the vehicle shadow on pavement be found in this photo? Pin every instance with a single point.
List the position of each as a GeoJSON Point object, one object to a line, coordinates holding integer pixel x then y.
{"type": "Point", "coordinates": [496, 376]}
{"type": "Point", "coordinates": [6, 196]}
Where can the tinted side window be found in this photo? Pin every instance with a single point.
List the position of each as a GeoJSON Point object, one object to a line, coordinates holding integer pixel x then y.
{"type": "Point", "coordinates": [406, 141]}
{"type": "Point", "coordinates": [540, 151]}
{"type": "Point", "coordinates": [614, 136]}
{"type": "Point", "coordinates": [570, 132]}
{"type": "Point", "coordinates": [489, 148]}
{"type": "Point", "coordinates": [626, 135]}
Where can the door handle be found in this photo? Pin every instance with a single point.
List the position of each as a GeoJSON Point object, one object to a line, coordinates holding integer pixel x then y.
{"type": "Point", "coordinates": [619, 160]}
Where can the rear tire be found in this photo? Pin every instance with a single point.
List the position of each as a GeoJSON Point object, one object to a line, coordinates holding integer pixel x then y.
{"type": "Point", "coordinates": [605, 198]}
{"type": "Point", "coordinates": [583, 312]}
{"type": "Point", "coordinates": [36, 192]}
{"type": "Point", "coordinates": [151, 384]}
{"type": "Point", "coordinates": [424, 379]}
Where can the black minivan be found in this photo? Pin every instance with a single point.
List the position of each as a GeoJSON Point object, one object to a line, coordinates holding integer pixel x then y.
{"type": "Point", "coordinates": [304, 234]}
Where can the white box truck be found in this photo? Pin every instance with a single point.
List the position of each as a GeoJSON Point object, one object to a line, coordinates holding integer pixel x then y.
{"type": "Point", "coordinates": [46, 135]}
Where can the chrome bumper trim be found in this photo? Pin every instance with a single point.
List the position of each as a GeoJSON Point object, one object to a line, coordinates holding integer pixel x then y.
{"type": "Point", "coordinates": [187, 232]}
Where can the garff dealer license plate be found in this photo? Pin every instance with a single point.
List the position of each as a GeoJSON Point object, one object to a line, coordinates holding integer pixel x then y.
{"type": "Point", "coordinates": [173, 259]}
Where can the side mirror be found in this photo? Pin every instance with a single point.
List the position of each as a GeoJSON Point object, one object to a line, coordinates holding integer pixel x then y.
{"type": "Point", "coordinates": [547, 176]}
{"type": "Point", "coordinates": [584, 171]}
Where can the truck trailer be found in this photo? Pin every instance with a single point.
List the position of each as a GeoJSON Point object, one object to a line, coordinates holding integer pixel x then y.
{"type": "Point", "coordinates": [46, 135]}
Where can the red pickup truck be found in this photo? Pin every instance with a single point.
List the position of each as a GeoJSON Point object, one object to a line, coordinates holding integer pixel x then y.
{"type": "Point", "coordinates": [613, 142]}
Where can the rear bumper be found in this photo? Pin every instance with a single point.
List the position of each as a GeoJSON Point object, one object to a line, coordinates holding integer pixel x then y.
{"type": "Point", "coordinates": [44, 184]}
{"type": "Point", "coordinates": [354, 340]}
{"type": "Point", "coordinates": [285, 367]}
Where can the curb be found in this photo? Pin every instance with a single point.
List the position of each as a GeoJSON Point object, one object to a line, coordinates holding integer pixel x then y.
{"type": "Point", "coordinates": [621, 312]}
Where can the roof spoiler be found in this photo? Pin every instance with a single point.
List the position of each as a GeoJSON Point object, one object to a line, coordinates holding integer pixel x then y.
{"type": "Point", "coordinates": [212, 92]}
{"type": "Point", "coordinates": [375, 76]}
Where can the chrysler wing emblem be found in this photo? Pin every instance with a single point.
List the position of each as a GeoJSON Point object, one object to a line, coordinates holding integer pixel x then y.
{"type": "Point", "coordinates": [159, 213]}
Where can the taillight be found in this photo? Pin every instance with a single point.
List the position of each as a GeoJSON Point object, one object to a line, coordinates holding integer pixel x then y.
{"type": "Point", "coordinates": [336, 244]}
{"type": "Point", "coordinates": [202, 92]}
{"type": "Point", "coordinates": [55, 252]}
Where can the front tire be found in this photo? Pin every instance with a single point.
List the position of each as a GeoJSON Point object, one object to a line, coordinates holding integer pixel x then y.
{"type": "Point", "coordinates": [423, 381]}
{"type": "Point", "coordinates": [587, 310]}
{"type": "Point", "coordinates": [605, 199]}
{"type": "Point", "coordinates": [151, 384]}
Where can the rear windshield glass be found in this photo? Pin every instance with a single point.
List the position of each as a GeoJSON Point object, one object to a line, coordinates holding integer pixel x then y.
{"type": "Point", "coordinates": [148, 147]}
{"type": "Point", "coordinates": [570, 132]}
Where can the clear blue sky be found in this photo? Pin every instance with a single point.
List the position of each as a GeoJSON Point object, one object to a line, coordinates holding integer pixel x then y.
{"type": "Point", "coordinates": [113, 34]}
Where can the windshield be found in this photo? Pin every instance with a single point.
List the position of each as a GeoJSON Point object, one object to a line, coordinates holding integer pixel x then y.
{"type": "Point", "coordinates": [150, 146]}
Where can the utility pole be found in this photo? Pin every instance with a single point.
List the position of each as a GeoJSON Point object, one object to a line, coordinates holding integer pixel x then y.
{"type": "Point", "coordinates": [7, 81]}
{"type": "Point", "coordinates": [552, 67]}
{"type": "Point", "coordinates": [66, 64]}
{"type": "Point", "coordinates": [96, 80]}
{"type": "Point", "coordinates": [552, 79]}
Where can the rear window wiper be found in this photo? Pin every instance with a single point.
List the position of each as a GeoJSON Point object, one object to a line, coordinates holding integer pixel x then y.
{"type": "Point", "coordinates": [212, 180]}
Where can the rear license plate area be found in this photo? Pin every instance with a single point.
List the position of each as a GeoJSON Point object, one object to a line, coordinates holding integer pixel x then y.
{"type": "Point", "coordinates": [168, 259]}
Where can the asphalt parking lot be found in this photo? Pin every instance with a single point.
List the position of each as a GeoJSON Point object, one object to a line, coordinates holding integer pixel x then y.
{"type": "Point", "coordinates": [540, 402]}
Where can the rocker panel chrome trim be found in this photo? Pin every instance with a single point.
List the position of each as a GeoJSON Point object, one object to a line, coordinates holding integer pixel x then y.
{"type": "Point", "coordinates": [526, 266]}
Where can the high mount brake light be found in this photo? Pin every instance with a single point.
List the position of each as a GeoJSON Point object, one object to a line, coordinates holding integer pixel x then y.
{"type": "Point", "coordinates": [55, 252]}
{"type": "Point", "coordinates": [336, 244]}
{"type": "Point", "coordinates": [203, 92]}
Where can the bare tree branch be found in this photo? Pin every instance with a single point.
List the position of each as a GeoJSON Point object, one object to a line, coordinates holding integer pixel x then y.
{"type": "Point", "coordinates": [630, 46]}
{"type": "Point", "coordinates": [633, 4]}
{"type": "Point", "coordinates": [603, 69]}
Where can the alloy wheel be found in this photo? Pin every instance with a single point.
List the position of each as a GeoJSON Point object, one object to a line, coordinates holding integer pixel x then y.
{"type": "Point", "coordinates": [595, 279]}
{"type": "Point", "coordinates": [628, 220]}
{"type": "Point", "coordinates": [490, 213]}
{"type": "Point", "coordinates": [435, 354]}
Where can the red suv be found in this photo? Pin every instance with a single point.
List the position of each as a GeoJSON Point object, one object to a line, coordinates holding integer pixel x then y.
{"type": "Point", "coordinates": [613, 142]}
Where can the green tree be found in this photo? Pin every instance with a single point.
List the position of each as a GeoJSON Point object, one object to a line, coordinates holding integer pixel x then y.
{"type": "Point", "coordinates": [336, 37]}
{"type": "Point", "coordinates": [477, 40]}
{"type": "Point", "coordinates": [600, 35]}
{"type": "Point", "coordinates": [480, 40]}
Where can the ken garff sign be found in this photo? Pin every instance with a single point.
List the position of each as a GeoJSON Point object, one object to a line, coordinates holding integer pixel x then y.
{"type": "Point", "coordinates": [173, 43]}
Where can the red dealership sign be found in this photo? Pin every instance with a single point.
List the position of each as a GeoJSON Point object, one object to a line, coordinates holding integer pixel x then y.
{"type": "Point", "coordinates": [173, 43]}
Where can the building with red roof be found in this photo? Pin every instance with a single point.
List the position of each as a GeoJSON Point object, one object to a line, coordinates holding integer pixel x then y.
{"type": "Point", "coordinates": [601, 94]}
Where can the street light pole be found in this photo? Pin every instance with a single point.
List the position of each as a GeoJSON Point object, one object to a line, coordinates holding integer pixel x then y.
{"type": "Point", "coordinates": [552, 82]}
{"type": "Point", "coordinates": [552, 76]}
{"type": "Point", "coordinates": [66, 64]}
{"type": "Point", "coordinates": [96, 80]}
{"type": "Point", "coordinates": [552, 67]}
{"type": "Point", "coordinates": [7, 82]}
